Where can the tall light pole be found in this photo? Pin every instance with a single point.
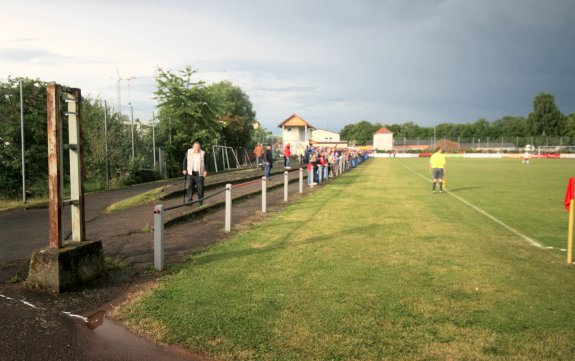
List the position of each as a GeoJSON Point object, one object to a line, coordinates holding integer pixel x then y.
{"type": "Point", "coordinates": [22, 141]}
{"type": "Point", "coordinates": [106, 143]}
{"type": "Point", "coordinates": [132, 127]}
{"type": "Point", "coordinates": [154, 138]}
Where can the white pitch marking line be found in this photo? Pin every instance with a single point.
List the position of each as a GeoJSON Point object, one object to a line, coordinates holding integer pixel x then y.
{"type": "Point", "coordinates": [526, 238]}
{"type": "Point", "coordinates": [85, 319]}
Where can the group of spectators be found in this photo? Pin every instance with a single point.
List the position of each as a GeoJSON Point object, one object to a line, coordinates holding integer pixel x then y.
{"type": "Point", "coordinates": [321, 163]}
{"type": "Point", "coordinates": [325, 163]}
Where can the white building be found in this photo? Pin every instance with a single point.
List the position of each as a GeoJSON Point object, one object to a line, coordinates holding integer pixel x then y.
{"type": "Point", "coordinates": [322, 135]}
{"type": "Point", "coordinates": [296, 132]}
{"type": "Point", "coordinates": [383, 139]}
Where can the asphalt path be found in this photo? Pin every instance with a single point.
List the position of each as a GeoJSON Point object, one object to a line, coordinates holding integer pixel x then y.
{"type": "Point", "coordinates": [25, 230]}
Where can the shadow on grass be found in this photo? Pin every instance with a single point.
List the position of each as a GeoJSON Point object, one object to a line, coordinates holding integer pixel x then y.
{"type": "Point", "coordinates": [454, 190]}
{"type": "Point", "coordinates": [323, 201]}
{"type": "Point", "coordinates": [280, 244]}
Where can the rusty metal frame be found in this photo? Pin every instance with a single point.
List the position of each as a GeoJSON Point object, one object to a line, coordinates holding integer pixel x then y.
{"type": "Point", "coordinates": [56, 95]}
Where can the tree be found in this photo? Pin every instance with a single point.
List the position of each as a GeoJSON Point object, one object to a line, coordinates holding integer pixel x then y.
{"type": "Point", "coordinates": [570, 125]}
{"type": "Point", "coordinates": [546, 119]}
{"type": "Point", "coordinates": [35, 153]}
{"type": "Point", "coordinates": [188, 111]}
{"type": "Point", "coordinates": [236, 114]}
{"type": "Point", "coordinates": [359, 133]}
{"type": "Point", "coordinates": [119, 140]}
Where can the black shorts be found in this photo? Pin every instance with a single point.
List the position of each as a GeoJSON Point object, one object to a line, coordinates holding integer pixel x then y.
{"type": "Point", "coordinates": [437, 173]}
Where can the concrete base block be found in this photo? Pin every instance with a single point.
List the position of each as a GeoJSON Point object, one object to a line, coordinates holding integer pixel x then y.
{"type": "Point", "coordinates": [58, 270]}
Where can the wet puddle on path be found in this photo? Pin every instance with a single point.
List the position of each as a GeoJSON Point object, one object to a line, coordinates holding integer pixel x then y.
{"type": "Point", "coordinates": [119, 341]}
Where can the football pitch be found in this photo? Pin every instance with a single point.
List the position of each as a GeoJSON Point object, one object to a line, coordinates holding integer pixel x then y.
{"type": "Point", "coordinates": [374, 266]}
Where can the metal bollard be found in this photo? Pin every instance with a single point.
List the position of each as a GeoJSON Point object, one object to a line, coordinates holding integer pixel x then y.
{"type": "Point", "coordinates": [264, 195]}
{"type": "Point", "coordinates": [159, 237]}
{"type": "Point", "coordinates": [286, 184]}
{"type": "Point", "coordinates": [228, 218]}
{"type": "Point", "coordinates": [312, 180]}
{"type": "Point", "coordinates": [319, 173]}
{"type": "Point", "coordinates": [301, 180]}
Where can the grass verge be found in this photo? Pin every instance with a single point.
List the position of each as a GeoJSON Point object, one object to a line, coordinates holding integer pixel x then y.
{"type": "Point", "coordinates": [143, 198]}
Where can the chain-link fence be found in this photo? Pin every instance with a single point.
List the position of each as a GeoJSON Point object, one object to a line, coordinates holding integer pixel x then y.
{"type": "Point", "coordinates": [486, 144]}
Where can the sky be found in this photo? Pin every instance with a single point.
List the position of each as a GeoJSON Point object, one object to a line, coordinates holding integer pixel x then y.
{"type": "Point", "coordinates": [331, 62]}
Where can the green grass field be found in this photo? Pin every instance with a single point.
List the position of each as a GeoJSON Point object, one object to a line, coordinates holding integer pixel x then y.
{"type": "Point", "coordinates": [375, 267]}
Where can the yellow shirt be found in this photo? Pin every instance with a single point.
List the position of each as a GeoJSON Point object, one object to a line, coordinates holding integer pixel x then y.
{"type": "Point", "coordinates": [437, 160]}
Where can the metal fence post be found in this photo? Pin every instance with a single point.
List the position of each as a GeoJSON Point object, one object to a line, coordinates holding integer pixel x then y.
{"type": "Point", "coordinates": [301, 180]}
{"type": "Point", "coordinates": [159, 237]}
{"type": "Point", "coordinates": [228, 220]}
{"type": "Point", "coordinates": [286, 184]}
{"type": "Point", "coordinates": [319, 173]}
{"type": "Point", "coordinates": [264, 195]}
{"type": "Point", "coordinates": [312, 178]}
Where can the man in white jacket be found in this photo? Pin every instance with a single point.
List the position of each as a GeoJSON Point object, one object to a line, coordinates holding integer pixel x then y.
{"type": "Point", "coordinates": [195, 166]}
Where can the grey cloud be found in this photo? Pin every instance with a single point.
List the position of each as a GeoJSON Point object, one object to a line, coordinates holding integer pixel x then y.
{"type": "Point", "coordinates": [31, 55]}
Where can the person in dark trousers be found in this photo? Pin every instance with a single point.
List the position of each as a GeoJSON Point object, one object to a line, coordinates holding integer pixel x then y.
{"type": "Point", "coordinates": [259, 152]}
{"type": "Point", "coordinates": [268, 161]}
{"type": "Point", "coordinates": [195, 166]}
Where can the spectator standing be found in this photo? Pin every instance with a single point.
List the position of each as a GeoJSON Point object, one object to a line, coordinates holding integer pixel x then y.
{"type": "Point", "coordinates": [258, 152]}
{"type": "Point", "coordinates": [306, 154]}
{"type": "Point", "coordinates": [287, 155]}
{"type": "Point", "coordinates": [195, 165]}
{"type": "Point", "coordinates": [268, 161]}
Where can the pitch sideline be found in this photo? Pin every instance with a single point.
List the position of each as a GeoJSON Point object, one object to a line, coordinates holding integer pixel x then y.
{"type": "Point", "coordinates": [501, 223]}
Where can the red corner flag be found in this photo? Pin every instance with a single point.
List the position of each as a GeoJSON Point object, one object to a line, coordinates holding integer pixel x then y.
{"type": "Point", "coordinates": [570, 194]}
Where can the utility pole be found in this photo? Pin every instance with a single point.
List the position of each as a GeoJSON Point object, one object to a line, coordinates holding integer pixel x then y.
{"type": "Point", "coordinates": [119, 90]}
{"type": "Point", "coordinates": [132, 128]}
{"type": "Point", "coordinates": [106, 143]}
{"type": "Point", "coordinates": [22, 142]}
{"type": "Point", "coordinates": [154, 137]}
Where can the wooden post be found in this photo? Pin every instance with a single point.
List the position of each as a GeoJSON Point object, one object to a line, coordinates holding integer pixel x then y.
{"type": "Point", "coordinates": [55, 168]}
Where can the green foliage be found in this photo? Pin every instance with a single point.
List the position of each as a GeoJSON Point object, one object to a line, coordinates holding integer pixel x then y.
{"type": "Point", "coordinates": [36, 160]}
{"type": "Point", "coordinates": [359, 133]}
{"type": "Point", "coordinates": [236, 114]}
{"type": "Point", "coordinates": [190, 111]}
{"type": "Point", "coordinates": [119, 141]}
{"type": "Point", "coordinates": [546, 119]}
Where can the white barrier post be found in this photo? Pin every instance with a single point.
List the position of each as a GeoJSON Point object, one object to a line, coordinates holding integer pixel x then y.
{"type": "Point", "coordinates": [301, 180]}
{"type": "Point", "coordinates": [264, 195]}
{"type": "Point", "coordinates": [159, 237]}
{"type": "Point", "coordinates": [319, 173]}
{"type": "Point", "coordinates": [312, 178]}
{"type": "Point", "coordinates": [286, 184]}
{"type": "Point", "coordinates": [228, 218]}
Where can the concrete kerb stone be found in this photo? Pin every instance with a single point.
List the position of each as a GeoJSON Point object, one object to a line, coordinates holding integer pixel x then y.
{"type": "Point", "coordinates": [58, 270]}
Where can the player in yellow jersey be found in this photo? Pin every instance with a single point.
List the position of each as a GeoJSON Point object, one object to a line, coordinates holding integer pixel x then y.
{"type": "Point", "coordinates": [437, 168]}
